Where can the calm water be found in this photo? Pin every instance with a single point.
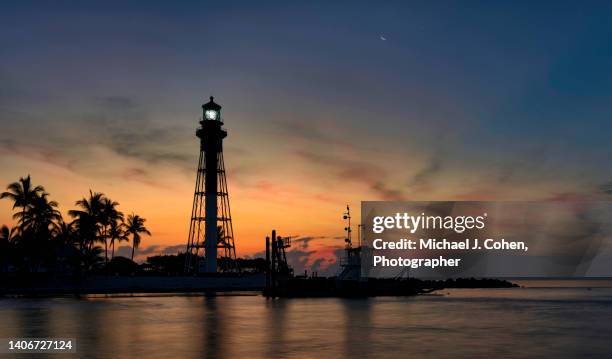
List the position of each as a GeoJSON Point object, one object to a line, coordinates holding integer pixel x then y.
{"type": "Point", "coordinates": [549, 319]}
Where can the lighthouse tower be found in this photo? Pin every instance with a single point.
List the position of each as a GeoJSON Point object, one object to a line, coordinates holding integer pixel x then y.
{"type": "Point", "coordinates": [210, 246]}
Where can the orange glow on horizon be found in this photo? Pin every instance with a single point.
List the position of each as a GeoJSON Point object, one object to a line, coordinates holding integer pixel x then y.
{"type": "Point", "coordinates": [290, 207]}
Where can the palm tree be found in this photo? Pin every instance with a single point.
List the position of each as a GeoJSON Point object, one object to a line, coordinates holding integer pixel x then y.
{"type": "Point", "coordinates": [135, 226]}
{"type": "Point", "coordinates": [36, 226]}
{"type": "Point", "coordinates": [88, 218]}
{"type": "Point", "coordinates": [65, 243]}
{"type": "Point", "coordinates": [117, 233]}
{"type": "Point", "coordinates": [109, 217]}
{"type": "Point", "coordinates": [42, 216]}
{"type": "Point", "coordinates": [64, 233]}
{"type": "Point", "coordinates": [221, 237]}
{"type": "Point", "coordinates": [22, 193]}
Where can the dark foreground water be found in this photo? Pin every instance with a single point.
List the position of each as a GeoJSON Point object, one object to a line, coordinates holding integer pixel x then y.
{"type": "Point", "coordinates": [548, 319]}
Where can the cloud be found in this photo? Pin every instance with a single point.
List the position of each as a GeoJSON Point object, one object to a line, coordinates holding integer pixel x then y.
{"type": "Point", "coordinates": [123, 251]}
{"type": "Point", "coordinates": [155, 144]}
{"type": "Point", "coordinates": [114, 122]}
{"type": "Point", "coordinates": [606, 188]}
{"type": "Point", "coordinates": [424, 176]}
{"type": "Point", "coordinates": [384, 191]}
{"type": "Point", "coordinates": [316, 266]}
{"type": "Point", "coordinates": [353, 170]}
{"type": "Point", "coordinates": [130, 130]}
{"type": "Point", "coordinates": [525, 162]}
{"type": "Point", "coordinates": [317, 255]}
{"type": "Point", "coordinates": [117, 102]}
{"type": "Point", "coordinates": [303, 242]}
{"type": "Point", "coordinates": [173, 249]}
{"type": "Point", "coordinates": [310, 132]}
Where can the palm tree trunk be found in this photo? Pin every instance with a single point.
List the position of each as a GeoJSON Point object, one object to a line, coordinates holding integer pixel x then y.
{"type": "Point", "coordinates": [113, 245]}
{"type": "Point", "coordinates": [105, 246]}
{"type": "Point", "coordinates": [132, 252]}
{"type": "Point", "coordinates": [22, 216]}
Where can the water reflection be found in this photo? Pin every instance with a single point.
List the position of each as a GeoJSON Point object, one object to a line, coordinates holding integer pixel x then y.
{"type": "Point", "coordinates": [544, 322]}
{"type": "Point", "coordinates": [32, 314]}
{"type": "Point", "coordinates": [214, 328]}
{"type": "Point", "coordinates": [357, 327]}
{"type": "Point", "coordinates": [276, 323]}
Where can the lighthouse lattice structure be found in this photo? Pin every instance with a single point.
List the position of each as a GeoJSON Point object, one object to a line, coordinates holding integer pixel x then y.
{"type": "Point", "coordinates": [210, 246]}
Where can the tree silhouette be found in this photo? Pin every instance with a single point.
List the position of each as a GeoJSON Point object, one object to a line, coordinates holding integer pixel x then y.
{"type": "Point", "coordinates": [222, 237]}
{"type": "Point", "coordinates": [109, 216]}
{"type": "Point", "coordinates": [36, 222]}
{"type": "Point", "coordinates": [42, 237]}
{"type": "Point", "coordinates": [42, 216]}
{"type": "Point", "coordinates": [88, 218]}
{"type": "Point", "coordinates": [37, 225]}
{"type": "Point", "coordinates": [135, 226]}
{"type": "Point", "coordinates": [22, 193]}
{"type": "Point", "coordinates": [65, 233]}
{"type": "Point", "coordinates": [117, 233]}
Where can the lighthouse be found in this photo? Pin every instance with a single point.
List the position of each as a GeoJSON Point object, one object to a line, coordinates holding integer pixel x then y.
{"type": "Point", "coordinates": [210, 246]}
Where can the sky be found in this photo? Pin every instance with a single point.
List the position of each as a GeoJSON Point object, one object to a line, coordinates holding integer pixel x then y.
{"type": "Point", "coordinates": [325, 103]}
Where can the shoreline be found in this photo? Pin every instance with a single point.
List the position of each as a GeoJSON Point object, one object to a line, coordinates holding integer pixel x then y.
{"type": "Point", "coordinates": [132, 284]}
